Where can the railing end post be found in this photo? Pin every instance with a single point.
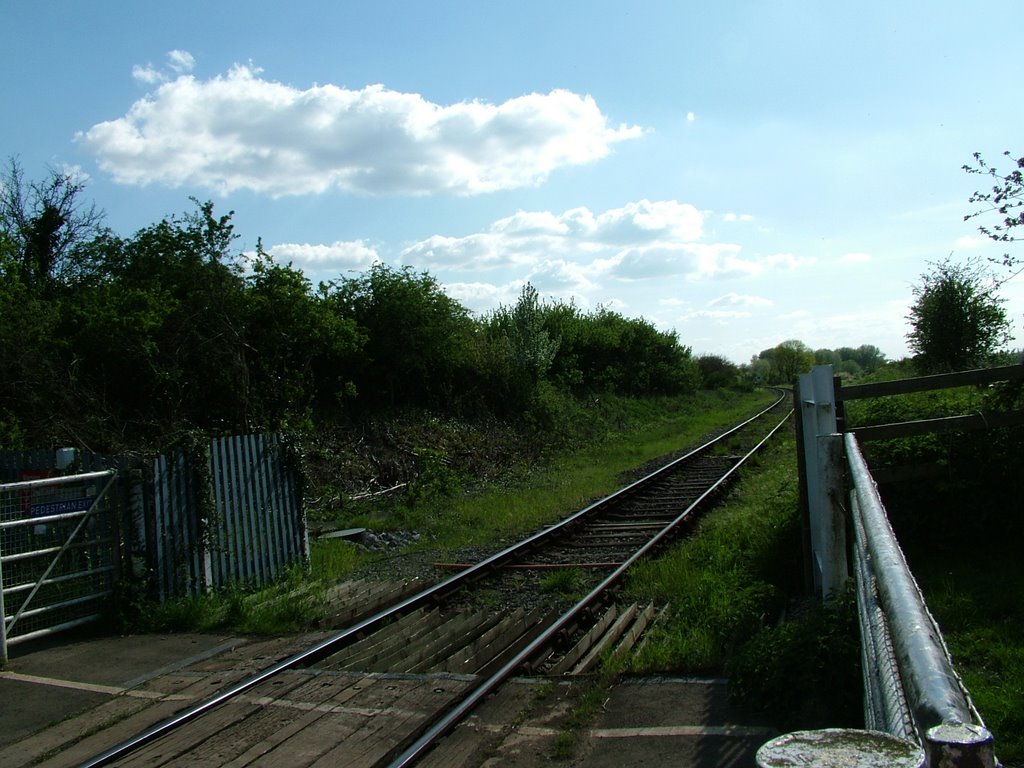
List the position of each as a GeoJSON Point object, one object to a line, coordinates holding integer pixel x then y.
{"type": "Point", "coordinates": [960, 745]}
{"type": "Point", "coordinates": [840, 746]}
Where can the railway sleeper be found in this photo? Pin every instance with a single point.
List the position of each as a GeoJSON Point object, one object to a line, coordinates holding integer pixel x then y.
{"type": "Point", "coordinates": [376, 644]}
{"type": "Point", "coordinates": [489, 645]}
{"type": "Point", "coordinates": [617, 631]}
{"type": "Point", "coordinates": [442, 654]}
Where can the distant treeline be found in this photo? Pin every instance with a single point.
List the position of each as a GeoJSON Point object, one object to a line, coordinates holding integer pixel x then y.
{"type": "Point", "coordinates": [113, 342]}
{"type": "Point", "coordinates": [118, 342]}
{"type": "Point", "coordinates": [783, 363]}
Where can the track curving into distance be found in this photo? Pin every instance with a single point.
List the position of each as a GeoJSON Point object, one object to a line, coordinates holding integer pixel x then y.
{"type": "Point", "coordinates": [619, 529]}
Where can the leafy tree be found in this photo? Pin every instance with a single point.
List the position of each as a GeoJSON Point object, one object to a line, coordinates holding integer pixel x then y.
{"type": "Point", "coordinates": [864, 359]}
{"type": "Point", "coordinates": [45, 222]}
{"type": "Point", "coordinates": [789, 359]}
{"type": "Point", "coordinates": [156, 338]}
{"type": "Point", "coordinates": [868, 356]}
{"type": "Point", "coordinates": [957, 321]}
{"type": "Point", "coordinates": [521, 351]}
{"type": "Point", "coordinates": [1005, 199]}
{"type": "Point", "coordinates": [532, 346]}
{"type": "Point", "coordinates": [827, 356]}
{"type": "Point", "coordinates": [419, 341]}
{"type": "Point", "coordinates": [29, 382]}
{"type": "Point", "coordinates": [299, 354]}
{"type": "Point", "coordinates": [606, 352]}
{"type": "Point", "coordinates": [759, 369]}
{"type": "Point", "coordinates": [716, 372]}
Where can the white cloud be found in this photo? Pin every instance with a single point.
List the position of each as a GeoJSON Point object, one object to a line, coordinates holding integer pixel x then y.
{"type": "Point", "coordinates": [717, 314]}
{"type": "Point", "coordinates": [561, 277]}
{"type": "Point", "coordinates": [740, 300]}
{"type": "Point", "coordinates": [642, 240]}
{"type": "Point", "coordinates": [672, 301]}
{"type": "Point", "coordinates": [969, 242]}
{"type": "Point", "coordinates": [181, 61]}
{"type": "Point", "coordinates": [76, 173]}
{"type": "Point", "coordinates": [178, 61]}
{"type": "Point", "coordinates": [147, 75]}
{"type": "Point", "coordinates": [788, 261]}
{"type": "Point", "coordinates": [337, 256]}
{"type": "Point", "coordinates": [240, 131]}
{"type": "Point", "coordinates": [482, 297]}
{"type": "Point", "coordinates": [854, 258]}
{"type": "Point", "coordinates": [637, 230]}
{"type": "Point", "coordinates": [730, 216]}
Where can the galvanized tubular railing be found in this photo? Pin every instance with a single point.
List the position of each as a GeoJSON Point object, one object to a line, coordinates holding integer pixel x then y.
{"type": "Point", "coordinates": [60, 562]}
{"type": "Point", "coordinates": [911, 688]}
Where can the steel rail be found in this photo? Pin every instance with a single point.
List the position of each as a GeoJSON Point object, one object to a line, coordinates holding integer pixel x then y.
{"type": "Point", "coordinates": [442, 726]}
{"type": "Point", "coordinates": [350, 634]}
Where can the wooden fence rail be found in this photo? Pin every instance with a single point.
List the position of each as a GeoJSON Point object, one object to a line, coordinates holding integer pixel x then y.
{"type": "Point", "coordinates": [963, 423]}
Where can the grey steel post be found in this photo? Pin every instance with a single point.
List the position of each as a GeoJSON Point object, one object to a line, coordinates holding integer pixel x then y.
{"type": "Point", "coordinates": [818, 415]}
{"type": "Point", "coordinates": [960, 745]}
{"type": "Point", "coordinates": [3, 615]}
{"type": "Point", "coordinates": [835, 571]}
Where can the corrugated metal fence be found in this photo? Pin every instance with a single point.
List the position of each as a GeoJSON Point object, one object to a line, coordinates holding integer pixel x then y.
{"type": "Point", "coordinates": [228, 512]}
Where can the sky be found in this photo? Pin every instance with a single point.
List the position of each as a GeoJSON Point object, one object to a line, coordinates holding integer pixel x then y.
{"type": "Point", "coordinates": [741, 173]}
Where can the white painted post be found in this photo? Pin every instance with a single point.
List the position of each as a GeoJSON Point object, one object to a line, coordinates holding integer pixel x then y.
{"type": "Point", "coordinates": [823, 458]}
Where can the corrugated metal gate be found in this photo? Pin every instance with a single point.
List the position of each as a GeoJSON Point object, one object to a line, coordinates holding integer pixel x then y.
{"type": "Point", "coordinates": [242, 523]}
{"type": "Point", "coordinates": [227, 512]}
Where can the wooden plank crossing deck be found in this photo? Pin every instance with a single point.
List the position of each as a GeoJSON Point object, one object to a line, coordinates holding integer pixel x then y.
{"type": "Point", "coordinates": [299, 718]}
{"type": "Point", "coordinates": [306, 719]}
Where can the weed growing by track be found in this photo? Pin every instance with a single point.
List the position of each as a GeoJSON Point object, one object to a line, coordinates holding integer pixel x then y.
{"type": "Point", "coordinates": [293, 604]}
{"type": "Point", "coordinates": [624, 436]}
{"type": "Point", "coordinates": [730, 585]}
{"type": "Point", "coordinates": [609, 438]}
{"type": "Point", "coordinates": [565, 581]}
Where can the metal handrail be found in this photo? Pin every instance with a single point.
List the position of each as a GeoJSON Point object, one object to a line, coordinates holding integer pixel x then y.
{"type": "Point", "coordinates": [928, 689]}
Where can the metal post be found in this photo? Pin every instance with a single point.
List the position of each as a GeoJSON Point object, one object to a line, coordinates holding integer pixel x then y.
{"type": "Point", "coordinates": [818, 414]}
{"type": "Point", "coordinates": [960, 745]}
{"type": "Point", "coordinates": [833, 529]}
{"type": "Point", "coordinates": [3, 612]}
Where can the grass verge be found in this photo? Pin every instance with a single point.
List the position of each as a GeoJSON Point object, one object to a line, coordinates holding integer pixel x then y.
{"type": "Point", "coordinates": [529, 497]}
{"type": "Point", "coordinates": [619, 435]}
{"type": "Point", "coordinates": [975, 595]}
{"type": "Point", "coordinates": [729, 585]}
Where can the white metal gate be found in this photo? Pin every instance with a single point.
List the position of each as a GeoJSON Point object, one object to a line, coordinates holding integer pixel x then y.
{"type": "Point", "coordinates": [58, 554]}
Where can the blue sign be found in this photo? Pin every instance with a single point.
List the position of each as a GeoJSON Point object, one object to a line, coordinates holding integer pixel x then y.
{"type": "Point", "coordinates": [46, 508]}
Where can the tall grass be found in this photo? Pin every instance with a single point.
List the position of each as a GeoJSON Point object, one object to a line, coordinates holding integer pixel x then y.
{"type": "Point", "coordinates": [292, 604]}
{"type": "Point", "coordinates": [731, 576]}
{"type": "Point", "coordinates": [981, 614]}
{"type": "Point", "coordinates": [627, 434]}
{"type": "Point", "coordinates": [728, 585]}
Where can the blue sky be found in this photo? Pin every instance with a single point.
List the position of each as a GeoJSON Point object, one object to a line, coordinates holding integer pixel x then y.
{"type": "Point", "coordinates": [743, 173]}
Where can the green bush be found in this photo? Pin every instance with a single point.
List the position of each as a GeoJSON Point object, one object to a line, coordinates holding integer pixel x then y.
{"type": "Point", "coordinates": [804, 673]}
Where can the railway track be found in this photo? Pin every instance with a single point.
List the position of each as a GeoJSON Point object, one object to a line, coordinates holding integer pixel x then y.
{"type": "Point", "coordinates": [384, 690]}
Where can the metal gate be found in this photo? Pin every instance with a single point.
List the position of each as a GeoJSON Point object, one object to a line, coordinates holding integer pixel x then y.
{"type": "Point", "coordinates": [58, 554]}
